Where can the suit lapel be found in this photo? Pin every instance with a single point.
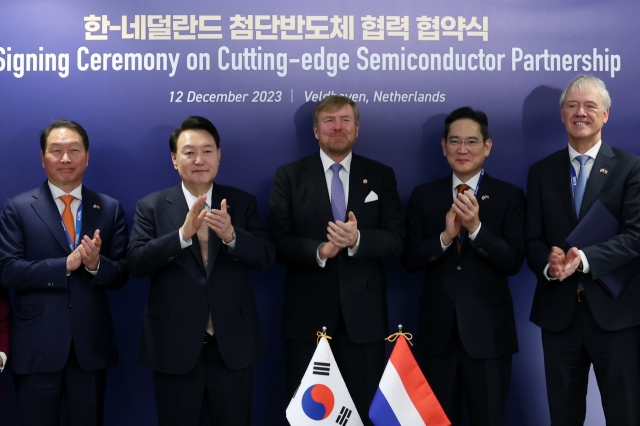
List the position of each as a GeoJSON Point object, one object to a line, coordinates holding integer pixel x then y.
{"type": "Point", "coordinates": [560, 175]}
{"type": "Point", "coordinates": [359, 187]}
{"type": "Point", "coordinates": [485, 188]}
{"type": "Point", "coordinates": [177, 209]}
{"type": "Point", "coordinates": [443, 200]}
{"type": "Point", "coordinates": [45, 207]}
{"type": "Point", "coordinates": [90, 212]}
{"type": "Point", "coordinates": [605, 161]}
{"type": "Point", "coordinates": [316, 183]}
{"type": "Point", "coordinates": [214, 242]}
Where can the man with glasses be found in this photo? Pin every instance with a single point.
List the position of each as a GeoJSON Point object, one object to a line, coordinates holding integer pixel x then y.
{"type": "Point", "coordinates": [582, 323]}
{"type": "Point", "coordinates": [466, 232]}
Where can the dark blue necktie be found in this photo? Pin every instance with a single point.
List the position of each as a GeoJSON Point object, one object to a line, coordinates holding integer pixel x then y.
{"type": "Point", "coordinates": [581, 184]}
{"type": "Point", "coordinates": [338, 205]}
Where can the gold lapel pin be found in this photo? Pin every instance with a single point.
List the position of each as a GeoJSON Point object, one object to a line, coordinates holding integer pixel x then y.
{"type": "Point", "coordinates": [365, 181]}
{"type": "Point", "coordinates": [605, 171]}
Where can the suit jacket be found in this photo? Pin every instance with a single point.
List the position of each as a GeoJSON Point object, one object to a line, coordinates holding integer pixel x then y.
{"type": "Point", "coordinates": [5, 313]}
{"type": "Point", "coordinates": [183, 293]}
{"type": "Point", "coordinates": [470, 287]}
{"type": "Point", "coordinates": [615, 181]}
{"type": "Point", "coordinates": [50, 308]}
{"type": "Point", "coordinates": [299, 213]}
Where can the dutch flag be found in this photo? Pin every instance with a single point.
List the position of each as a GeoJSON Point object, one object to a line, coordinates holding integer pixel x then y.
{"type": "Point", "coordinates": [404, 397]}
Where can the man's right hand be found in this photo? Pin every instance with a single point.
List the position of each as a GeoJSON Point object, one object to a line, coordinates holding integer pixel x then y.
{"type": "Point", "coordinates": [556, 263]}
{"type": "Point", "coordinates": [74, 260]}
{"type": "Point", "coordinates": [328, 251]}
{"type": "Point", "coordinates": [453, 227]}
{"type": "Point", "coordinates": [194, 218]}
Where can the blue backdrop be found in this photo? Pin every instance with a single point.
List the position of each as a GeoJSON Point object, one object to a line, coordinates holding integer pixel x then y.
{"type": "Point", "coordinates": [131, 71]}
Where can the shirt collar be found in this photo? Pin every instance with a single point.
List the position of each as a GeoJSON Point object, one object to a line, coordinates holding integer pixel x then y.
{"type": "Point", "coordinates": [473, 182]}
{"type": "Point", "coordinates": [593, 152]}
{"type": "Point", "coordinates": [57, 192]}
{"type": "Point", "coordinates": [191, 199]}
{"type": "Point", "coordinates": [328, 162]}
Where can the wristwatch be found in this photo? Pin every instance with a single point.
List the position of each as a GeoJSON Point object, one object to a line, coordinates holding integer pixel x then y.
{"type": "Point", "coordinates": [233, 237]}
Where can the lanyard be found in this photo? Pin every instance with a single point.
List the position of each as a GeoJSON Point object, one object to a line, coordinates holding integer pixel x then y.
{"type": "Point", "coordinates": [78, 228]}
{"type": "Point", "coordinates": [574, 178]}
{"type": "Point", "coordinates": [475, 193]}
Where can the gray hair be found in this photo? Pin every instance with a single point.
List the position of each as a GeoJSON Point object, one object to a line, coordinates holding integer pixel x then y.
{"type": "Point", "coordinates": [581, 83]}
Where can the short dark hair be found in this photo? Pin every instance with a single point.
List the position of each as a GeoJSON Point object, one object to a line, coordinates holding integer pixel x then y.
{"type": "Point", "coordinates": [334, 103]}
{"type": "Point", "coordinates": [468, 112]}
{"type": "Point", "coordinates": [193, 123]}
{"type": "Point", "coordinates": [63, 124]}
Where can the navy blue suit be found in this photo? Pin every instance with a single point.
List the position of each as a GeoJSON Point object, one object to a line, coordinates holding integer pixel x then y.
{"type": "Point", "coordinates": [55, 315]}
{"type": "Point", "coordinates": [612, 341]}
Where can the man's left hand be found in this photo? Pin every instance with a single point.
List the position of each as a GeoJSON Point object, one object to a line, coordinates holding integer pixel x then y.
{"type": "Point", "coordinates": [90, 251]}
{"type": "Point", "coordinates": [343, 234]}
{"type": "Point", "coordinates": [571, 263]}
{"type": "Point", "coordinates": [466, 207]}
{"type": "Point", "coordinates": [219, 222]}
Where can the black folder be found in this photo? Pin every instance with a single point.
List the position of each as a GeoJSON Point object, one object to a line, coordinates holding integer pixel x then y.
{"type": "Point", "coordinates": [598, 226]}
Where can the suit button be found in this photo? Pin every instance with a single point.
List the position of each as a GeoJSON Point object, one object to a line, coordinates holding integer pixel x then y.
{"type": "Point", "coordinates": [69, 307]}
{"type": "Point", "coordinates": [205, 310]}
{"type": "Point", "coordinates": [453, 296]}
{"type": "Point", "coordinates": [459, 267]}
{"type": "Point", "coordinates": [432, 258]}
{"type": "Point", "coordinates": [49, 284]}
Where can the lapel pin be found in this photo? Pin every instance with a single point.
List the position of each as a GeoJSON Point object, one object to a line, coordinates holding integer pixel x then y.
{"type": "Point", "coordinates": [95, 206]}
{"type": "Point", "coordinates": [365, 181]}
{"type": "Point", "coordinates": [484, 197]}
{"type": "Point", "coordinates": [605, 171]}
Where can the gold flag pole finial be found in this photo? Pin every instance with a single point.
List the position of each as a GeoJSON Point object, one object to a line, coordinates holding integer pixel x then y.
{"type": "Point", "coordinates": [392, 338]}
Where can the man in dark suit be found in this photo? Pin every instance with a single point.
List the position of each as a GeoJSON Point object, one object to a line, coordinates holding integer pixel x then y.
{"type": "Point", "coordinates": [61, 246]}
{"type": "Point", "coordinates": [466, 232]}
{"type": "Point", "coordinates": [198, 241]}
{"type": "Point", "coordinates": [5, 314]}
{"type": "Point", "coordinates": [582, 324]}
{"type": "Point", "coordinates": [332, 229]}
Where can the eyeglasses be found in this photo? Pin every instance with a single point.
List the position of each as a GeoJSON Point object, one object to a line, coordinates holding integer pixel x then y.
{"type": "Point", "coordinates": [471, 144]}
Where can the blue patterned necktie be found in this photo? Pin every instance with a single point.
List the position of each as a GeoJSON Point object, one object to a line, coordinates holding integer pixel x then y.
{"type": "Point", "coordinates": [338, 206]}
{"type": "Point", "coordinates": [581, 184]}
